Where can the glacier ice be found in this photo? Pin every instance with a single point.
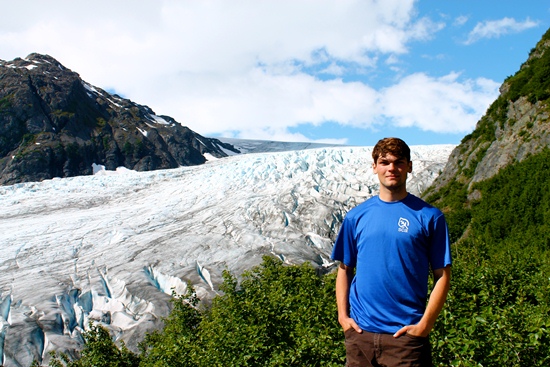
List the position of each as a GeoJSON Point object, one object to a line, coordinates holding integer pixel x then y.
{"type": "Point", "coordinates": [111, 248]}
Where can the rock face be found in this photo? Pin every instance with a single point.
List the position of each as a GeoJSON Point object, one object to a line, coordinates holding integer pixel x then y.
{"type": "Point", "coordinates": [53, 124]}
{"type": "Point", "coordinates": [515, 126]}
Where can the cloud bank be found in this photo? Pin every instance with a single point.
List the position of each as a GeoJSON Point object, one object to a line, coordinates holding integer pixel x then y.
{"type": "Point", "coordinates": [254, 69]}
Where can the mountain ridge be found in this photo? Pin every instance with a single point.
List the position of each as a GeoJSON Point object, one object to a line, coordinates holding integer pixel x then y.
{"type": "Point", "coordinates": [515, 126]}
{"type": "Point", "coordinates": [54, 124]}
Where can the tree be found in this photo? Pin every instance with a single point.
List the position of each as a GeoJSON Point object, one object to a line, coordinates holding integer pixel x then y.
{"type": "Point", "coordinates": [99, 351]}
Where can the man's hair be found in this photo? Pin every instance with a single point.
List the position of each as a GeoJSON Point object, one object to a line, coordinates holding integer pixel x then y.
{"type": "Point", "coordinates": [393, 146]}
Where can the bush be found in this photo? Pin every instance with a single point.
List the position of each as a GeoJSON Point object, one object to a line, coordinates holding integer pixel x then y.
{"type": "Point", "coordinates": [99, 351]}
{"type": "Point", "coordinates": [277, 316]}
{"type": "Point", "coordinates": [498, 306]}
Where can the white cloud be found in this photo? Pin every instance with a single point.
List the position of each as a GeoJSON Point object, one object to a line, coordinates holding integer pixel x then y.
{"type": "Point", "coordinates": [261, 99]}
{"type": "Point", "coordinates": [460, 20]}
{"type": "Point", "coordinates": [497, 28]}
{"type": "Point", "coordinates": [215, 36]}
{"type": "Point", "coordinates": [443, 104]}
{"type": "Point", "coordinates": [267, 105]}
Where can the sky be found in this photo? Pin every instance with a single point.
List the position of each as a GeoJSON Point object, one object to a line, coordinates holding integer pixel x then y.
{"type": "Point", "coordinates": [329, 71]}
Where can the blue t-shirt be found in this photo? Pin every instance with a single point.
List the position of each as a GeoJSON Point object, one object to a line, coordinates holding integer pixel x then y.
{"type": "Point", "coordinates": [393, 246]}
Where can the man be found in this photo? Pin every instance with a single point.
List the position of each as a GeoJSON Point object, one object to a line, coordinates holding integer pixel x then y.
{"type": "Point", "coordinates": [387, 246]}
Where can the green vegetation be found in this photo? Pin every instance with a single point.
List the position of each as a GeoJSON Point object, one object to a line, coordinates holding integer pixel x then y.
{"type": "Point", "coordinates": [531, 81]}
{"type": "Point", "coordinates": [5, 104]}
{"type": "Point", "coordinates": [533, 78]}
{"type": "Point", "coordinates": [101, 122]}
{"type": "Point", "coordinates": [128, 148]}
{"type": "Point", "coordinates": [28, 139]}
{"type": "Point", "coordinates": [276, 316]}
{"type": "Point", "coordinates": [73, 151]}
{"type": "Point", "coordinates": [106, 142]}
{"type": "Point", "coordinates": [99, 351]}
{"type": "Point", "coordinates": [452, 199]}
{"type": "Point", "coordinates": [485, 129]}
{"type": "Point", "coordinates": [497, 311]}
{"type": "Point", "coordinates": [138, 150]}
{"type": "Point", "coordinates": [515, 204]}
{"type": "Point", "coordinates": [498, 308]}
{"type": "Point", "coordinates": [63, 114]}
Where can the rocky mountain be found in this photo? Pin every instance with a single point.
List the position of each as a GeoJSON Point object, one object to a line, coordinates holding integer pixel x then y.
{"type": "Point", "coordinates": [54, 124]}
{"type": "Point", "coordinates": [516, 126]}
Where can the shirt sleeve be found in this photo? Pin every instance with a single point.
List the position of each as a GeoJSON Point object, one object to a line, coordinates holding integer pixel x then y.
{"type": "Point", "coordinates": [440, 252]}
{"type": "Point", "coordinates": [345, 247]}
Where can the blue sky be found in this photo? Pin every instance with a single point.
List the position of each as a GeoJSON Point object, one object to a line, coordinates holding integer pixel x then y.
{"type": "Point", "coordinates": [340, 71]}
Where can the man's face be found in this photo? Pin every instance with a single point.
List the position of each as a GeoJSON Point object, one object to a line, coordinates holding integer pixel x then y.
{"type": "Point", "coordinates": [392, 171]}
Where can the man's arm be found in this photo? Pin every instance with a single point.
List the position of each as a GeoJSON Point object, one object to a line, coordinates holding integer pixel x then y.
{"type": "Point", "coordinates": [442, 283]}
{"type": "Point", "coordinates": [343, 283]}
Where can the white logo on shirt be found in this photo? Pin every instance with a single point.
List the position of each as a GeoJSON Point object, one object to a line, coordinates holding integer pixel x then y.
{"type": "Point", "coordinates": [403, 225]}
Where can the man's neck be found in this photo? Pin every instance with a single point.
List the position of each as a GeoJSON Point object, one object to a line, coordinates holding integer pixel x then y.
{"type": "Point", "coordinates": [390, 196]}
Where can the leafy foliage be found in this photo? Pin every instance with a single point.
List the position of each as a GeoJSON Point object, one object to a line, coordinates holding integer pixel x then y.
{"type": "Point", "coordinates": [451, 199]}
{"type": "Point", "coordinates": [498, 307]}
{"type": "Point", "coordinates": [99, 351]}
{"type": "Point", "coordinates": [533, 79]}
{"type": "Point", "coordinates": [277, 316]}
{"type": "Point", "coordinates": [178, 344]}
{"type": "Point", "coordinates": [525, 210]}
{"type": "Point", "coordinates": [497, 310]}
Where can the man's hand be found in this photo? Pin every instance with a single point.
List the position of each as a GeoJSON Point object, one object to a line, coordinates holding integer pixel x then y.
{"type": "Point", "coordinates": [442, 282]}
{"type": "Point", "coordinates": [414, 330]}
{"type": "Point", "coordinates": [348, 323]}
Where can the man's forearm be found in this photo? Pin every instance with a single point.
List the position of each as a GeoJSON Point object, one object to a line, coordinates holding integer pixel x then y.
{"type": "Point", "coordinates": [343, 283]}
{"type": "Point", "coordinates": [437, 298]}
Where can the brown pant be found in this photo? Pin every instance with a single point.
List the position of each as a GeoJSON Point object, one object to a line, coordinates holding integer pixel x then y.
{"type": "Point", "coordinates": [383, 350]}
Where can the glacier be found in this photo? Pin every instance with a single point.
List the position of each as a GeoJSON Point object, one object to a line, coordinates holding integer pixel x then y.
{"type": "Point", "coordinates": [111, 248]}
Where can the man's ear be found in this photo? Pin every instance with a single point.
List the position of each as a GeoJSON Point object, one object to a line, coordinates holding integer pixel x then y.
{"type": "Point", "coordinates": [410, 166]}
{"type": "Point", "coordinates": [374, 167]}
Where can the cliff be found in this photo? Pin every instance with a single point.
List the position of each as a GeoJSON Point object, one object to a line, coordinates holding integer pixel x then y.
{"type": "Point", "coordinates": [54, 124]}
